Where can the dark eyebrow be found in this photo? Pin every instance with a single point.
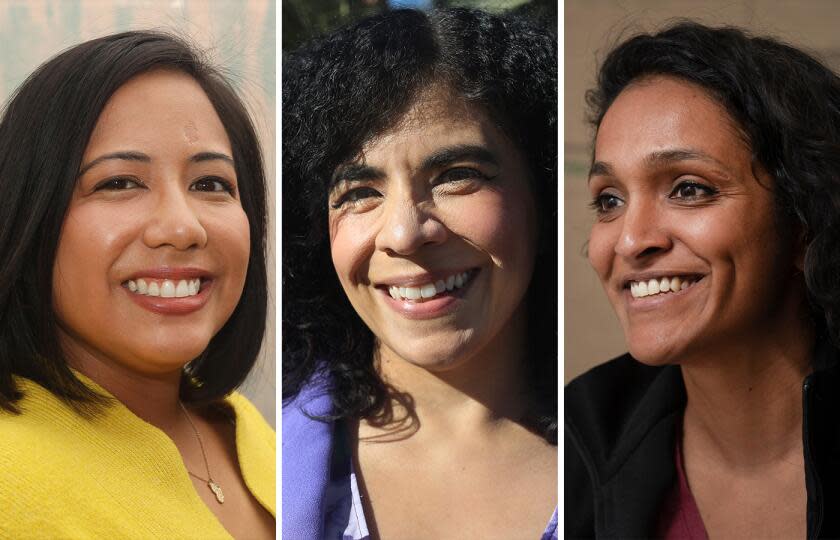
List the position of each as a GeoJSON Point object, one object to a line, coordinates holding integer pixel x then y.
{"type": "Point", "coordinates": [666, 157]}
{"type": "Point", "coordinates": [128, 156]}
{"type": "Point", "coordinates": [355, 172]}
{"type": "Point", "coordinates": [211, 156]}
{"type": "Point", "coordinates": [658, 159]}
{"type": "Point", "coordinates": [600, 168]}
{"type": "Point", "coordinates": [465, 152]}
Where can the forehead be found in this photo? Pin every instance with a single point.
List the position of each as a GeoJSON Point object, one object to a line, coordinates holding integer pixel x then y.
{"type": "Point", "coordinates": [662, 113]}
{"type": "Point", "coordinates": [436, 118]}
{"type": "Point", "coordinates": [156, 109]}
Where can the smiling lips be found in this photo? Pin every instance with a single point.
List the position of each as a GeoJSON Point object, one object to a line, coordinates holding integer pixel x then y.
{"type": "Point", "coordinates": [170, 291]}
{"type": "Point", "coordinates": [165, 288]}
{"type": "Point", "coordinates": [429, 290]}
{"type": "Point", "coordinates": [662, 285]}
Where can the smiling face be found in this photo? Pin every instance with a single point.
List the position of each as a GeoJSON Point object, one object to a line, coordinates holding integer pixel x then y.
{"type": "Point", "coordinates": [154, 248]}
{"type": "Point", "coordinates": [433, 233]}
{"type": "Point", "coordinates": [680, 209]}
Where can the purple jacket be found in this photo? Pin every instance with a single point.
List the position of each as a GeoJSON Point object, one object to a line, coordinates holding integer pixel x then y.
{"type": "Point", "coordinates": [307, 447]}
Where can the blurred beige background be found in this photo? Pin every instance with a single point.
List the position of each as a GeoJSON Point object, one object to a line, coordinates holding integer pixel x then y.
{"type": "Point", "coordinates": [238, 35]}
{"type": "Point", "coordinates": [592, 27]}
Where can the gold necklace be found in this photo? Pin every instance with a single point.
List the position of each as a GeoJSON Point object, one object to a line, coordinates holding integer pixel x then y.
{"type": "Point", "coordinates": [214, 487]}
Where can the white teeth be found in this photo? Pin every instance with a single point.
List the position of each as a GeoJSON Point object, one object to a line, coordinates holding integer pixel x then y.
{"type": "Point", "coordinates": [412, 293]}
{"type": "Point", "coordinates": [639, 289]}
{"type": "Point", "coordinates": [166, 288]}
{"type": "Point", "coordinates": [429, 290]}
{"type": "Point", "coordinates": [182, 289]}
{"type": "Point", "coordinates": [675, 284]}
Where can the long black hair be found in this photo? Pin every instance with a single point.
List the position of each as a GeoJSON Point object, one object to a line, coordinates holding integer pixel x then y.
{"type": "Point", "coordinates": [787, 105]}
{"type": "Point", "coordinates": [341, 90]}
{"type": "Point", "coordinates": [43, 134]}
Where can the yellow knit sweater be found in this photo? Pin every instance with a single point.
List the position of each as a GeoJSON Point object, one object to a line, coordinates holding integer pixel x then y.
{"type": "Point", "coordinates": [115, 476]}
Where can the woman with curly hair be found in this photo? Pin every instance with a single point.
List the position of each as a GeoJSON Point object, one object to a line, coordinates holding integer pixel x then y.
{"type": "Point", "coordinates": [419, 246]}
{"type": "Point", "coordinates": [715, 180]}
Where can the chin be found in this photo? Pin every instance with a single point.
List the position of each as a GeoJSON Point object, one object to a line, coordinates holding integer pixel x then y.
{"type": "Point", "coordinates": [654, 351]}
{"type": "Point", "coordinates": [435, 359]}
{"type": "Point", "coordinates": [166, 356]}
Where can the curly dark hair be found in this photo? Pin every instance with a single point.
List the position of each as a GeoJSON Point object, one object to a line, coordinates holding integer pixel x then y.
{"type": "Point", "coordinates": [341, 90]}
{"type": "Point", "coordinates": [787, 105]}
{"type": "Point", "coordinates": [61, 101]}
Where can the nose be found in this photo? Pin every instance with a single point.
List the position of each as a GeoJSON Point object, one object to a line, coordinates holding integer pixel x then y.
{"type": "Point", "coordinates": [644, 231]}
{"type": "Point", "coordinates": [407, 227]}
{"type": "Point", "coordinates": [174, 222]}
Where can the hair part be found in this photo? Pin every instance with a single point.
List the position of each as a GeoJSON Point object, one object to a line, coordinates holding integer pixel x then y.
{"type": "Point", "coordinates": [43, 135]}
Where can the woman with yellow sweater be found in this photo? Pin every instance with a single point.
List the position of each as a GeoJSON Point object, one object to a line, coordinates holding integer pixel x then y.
{"type": "Point", "coordinates": [132, 300]}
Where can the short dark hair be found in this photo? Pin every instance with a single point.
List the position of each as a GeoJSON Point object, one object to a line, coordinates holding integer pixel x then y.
{"type": "Point", "coordinates": [43, 134]}
{"type": "Point", "coordinates": [787, 106]}
{"type": "Point", "coordinates": [341, 90]}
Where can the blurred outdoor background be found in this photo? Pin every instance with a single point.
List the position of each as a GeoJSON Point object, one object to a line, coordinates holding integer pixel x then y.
{"type": "Point", "coordinates": [592, 28]}
{"type": "Point", "coordinates": [304, 19]}
{"type": "Point", "coordinates": [238, 35]}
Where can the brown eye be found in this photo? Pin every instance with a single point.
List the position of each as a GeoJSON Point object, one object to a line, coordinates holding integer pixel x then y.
{"type": "Point", "coordinates": [212, 184]}
{"type": "Point", "coordinates": [690, 191]}
{"type": "Point", "coordinates": [354, 196]}
{"type": "Point", "coordinates": [117, 184]}
{"type": "Point", "coordinates": [461, 173]}
{"type": "Point", "coordinates": [606, 202]}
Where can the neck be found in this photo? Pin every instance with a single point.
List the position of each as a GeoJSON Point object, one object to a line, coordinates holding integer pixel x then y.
{"type": "Point", "coordinates": [152, 397]}
{"type": "Point", "coordinates": [483, 392]}
{"type": "Point", "coordinates": [744, 407]}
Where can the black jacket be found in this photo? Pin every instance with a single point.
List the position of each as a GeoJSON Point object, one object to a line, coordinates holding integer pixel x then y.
{"type": "Point", "coordinates": [621, 420]}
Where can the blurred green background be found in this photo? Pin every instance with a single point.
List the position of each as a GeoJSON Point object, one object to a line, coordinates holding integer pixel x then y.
{"type": "Point", "coordinates": [305, 19]}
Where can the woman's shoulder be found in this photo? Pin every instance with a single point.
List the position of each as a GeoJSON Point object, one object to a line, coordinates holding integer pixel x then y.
{"type": "Point", "coordinates": [36, 468]}
{"type": "Point", "coordinates": [251, 418]}
{"type": "Point", "coordinates": [307, 444]}
{"type": "Point", "coordinates": [615, 382]}
{"type": "Point", "coordinates": [312, 400]}
{"type": "Point", "coordinates": [40, 416]}
{"type": "Point", "coordinates": [614, 412]}
{"type": "Point", "coordinates": [256, 446]}
{"type": "Point", "coordinates": [619, 399]}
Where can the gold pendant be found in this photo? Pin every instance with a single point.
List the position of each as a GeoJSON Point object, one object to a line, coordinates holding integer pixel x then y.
{"type": "Point", "coordinates": [217, 491]}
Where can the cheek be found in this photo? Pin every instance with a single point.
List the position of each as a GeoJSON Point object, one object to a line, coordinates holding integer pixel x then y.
{"type": "Point", "coordinates": [351, 245]}
{"type": "Point", "coordinates": [231, 233]}
{"type": "Point", "coordinates": [600, 248]}
{"type": "Point", "coordinates": [498, 223]}
{"type": "Point", "coordinates": [734, 237]}
{"type": "Point", "coordinates": [92, 238]}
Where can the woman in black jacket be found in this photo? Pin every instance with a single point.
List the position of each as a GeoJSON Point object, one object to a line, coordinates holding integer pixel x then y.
{"type": "Point", "coordinates": [716, 183]}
